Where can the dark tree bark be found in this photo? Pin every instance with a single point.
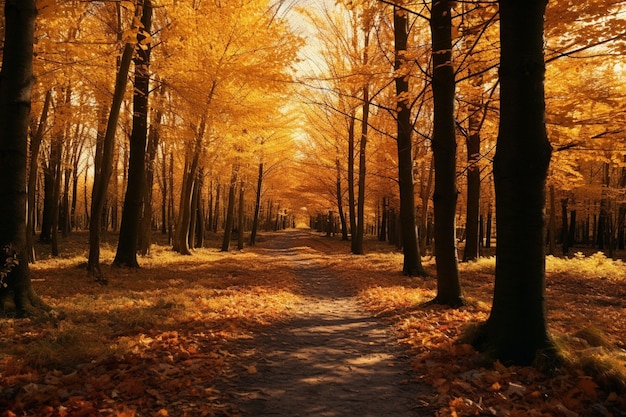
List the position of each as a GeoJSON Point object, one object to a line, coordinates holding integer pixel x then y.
{"type": "Point", "coordinates": [471, 250]}
{"type": "Point", "coordinates": [199, 210]}
{"type": "Point", "coordinates": [193, 211]}
{"type": "Point", "coordinates": [382, 233]}
{"type": "Point", "coordinates": [339, 192]}
{"type": "Point", "coordinates": [103, 175]}
{"type": "Point", "coordinates": [126, 254]}
{"type": "Point", "coordinates": [517, 331]}
{"type": "Point", "coordinates": [552, 222]}
{"type": "Point", "coordinates": [35, 145]}
{"type": "Point", "coordinates": [216, 212]}
{"type": "Point", "coordinates": [230, 210]}
{"type": "Point", "coordinates": [16, 80]}
{"type": "Point", "coordinates": [426, 188]}
{"type": "Point", "coordinates": [257, 205]}
{"type": "Point", "coordinates": [183, 222]}
{"type": "Point", "coordinates": [357, 238]}
{"type": "Point", "coordinates": [56, 149]}
{"type": "Point", "coordinates": [145, 233]}
{"type": "Point", "coordinates": [350, 172]}
{"type": "Point", "coordinates": [240, 216]}
{"type": "Point", "coordinates": [412, 259]}
{"type": "Point", "coordinates": [444, 155]}
{"type": "Point", "coordinates": [49, 179]}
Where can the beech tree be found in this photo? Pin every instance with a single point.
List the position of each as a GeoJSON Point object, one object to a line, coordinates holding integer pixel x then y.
{"type": "Point", "coordinates": [444, 155]}
{"type": "Point", "coordinates": [103, 173]}
{"type": "Point", "coordinates": [16, 78]}
{"type": "Point", "coordinates": [517, 330]}
{"type": "Point", "coordinates": [126, 254]}
{"type": "Point", "coordinates": [412, 258]}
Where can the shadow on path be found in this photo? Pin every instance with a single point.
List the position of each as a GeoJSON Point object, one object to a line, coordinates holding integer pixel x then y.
{"type": "Point", "coordinates": [331, 358]}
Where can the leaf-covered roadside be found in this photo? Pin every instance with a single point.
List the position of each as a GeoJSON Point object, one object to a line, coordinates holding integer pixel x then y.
{"type": "Point", "coordinates": [149, 344]}
{"type": "Point", "coordinates": [155, 341]}
{"type": "Point", "coordinates": [586, 315]}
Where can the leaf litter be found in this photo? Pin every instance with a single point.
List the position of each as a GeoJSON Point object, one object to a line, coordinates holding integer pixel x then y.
{"type": "Point", "coordinates": [155, 341]}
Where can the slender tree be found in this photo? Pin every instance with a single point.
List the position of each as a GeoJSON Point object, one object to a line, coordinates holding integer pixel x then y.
{"type": "Point", "coordinates": [16, 78]}
{"type": "Point", "coordinates": [517, 330]}
{"type": "Point", "coordinates": [126, 254]}
{"type": "Point", "coordinates": [35, 145]}
{"type": "Point", "coordinates": [444, 156]}
{"type": "Point", "coordinates": [230, 209]}
{"type": "Point", "coordinates": [412, 259]}
{"type": "Point", "coordinates": [103, 174]}
{"type": "Point", "coordinates": [257, 204]}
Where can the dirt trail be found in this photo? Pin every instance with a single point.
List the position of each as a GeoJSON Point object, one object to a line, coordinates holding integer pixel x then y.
{"type": "Point", "coordinates": [330, 359]}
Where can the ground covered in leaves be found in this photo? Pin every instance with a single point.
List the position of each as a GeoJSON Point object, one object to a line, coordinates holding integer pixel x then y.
{"type": "Point", "coordinates": [161, 341]}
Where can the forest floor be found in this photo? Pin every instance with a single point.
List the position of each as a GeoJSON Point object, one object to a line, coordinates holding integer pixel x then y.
{"type": "Point", "coordinates": [297, 326]}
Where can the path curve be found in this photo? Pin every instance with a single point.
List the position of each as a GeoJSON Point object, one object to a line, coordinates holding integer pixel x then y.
{"type": "Point", "coordinates": [330, 359]}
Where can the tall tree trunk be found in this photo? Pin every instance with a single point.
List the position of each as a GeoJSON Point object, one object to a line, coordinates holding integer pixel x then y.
{"type": "Point", "coordinates": [200, 226]}
{"type": "Point", "coordinates": [35, 145]}
{"type": "Point", "coordinates": [351, 197]}
{"type": "Point", "coordinates": [425, 193]}
{"type": "Point", "coordinates": [444, 153]}
{"type": "Point", "coordinates": [552, 222]}
{"type": "Point", "coordinates": [101, 180]}
{"type": "Point", "coordinates": [471, 250]}
{"type": "Point", "coordinates": [126, 254]}
{"type": "Point", "coordinates": [257, 205]}
{"type": "Point", "coordinates": [230, 210]}
{"type": "Point", "coordinates": [382, 233]}
{"type": "Point", "coordinates": [240, 216]}
{"type": "Point", "coordinates": [16, 79]}
{"type": "Point", "coordinates": [339, 191]}
{"type": "Point", "coordinates": [193, 211]}
{"type": "Point", "coordinates": [170, 200]}
{"type": "Point", "coordinates": [45, 234]}
{"type": "Point", "coordinates": [517, 331]}
{"type": "Point", "coordinates": [412, 259]}
{"type": "Point", "coordinates": [145, 233]}
{"type": "Point", "coordinates": [357, 245]}
{"type": "Point", "coordinates": [55, 168]}
{"type": "Point", "coordinates": [183, 222]}
{"type": "Point", "coordinates": [216, 212]}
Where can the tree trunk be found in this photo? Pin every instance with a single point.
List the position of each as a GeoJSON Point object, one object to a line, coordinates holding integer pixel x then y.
{"type": "Point", "coordinates": [257, 205]}
{"type": "Point", "coordinates": [230, 210]}
{"type": "Point", "coordinates": [183, 222]}
{"type": "Point", "coordinates": [200, 226]}
{"type": "Point", "coordinates": [357, 246]}
{"type": "Point", "coordinates": [240, 215]}
{"type": "Point", "coordinates": [216, 212]}
{"type": "Point", "coordinates": [101, 180]}
{"type": "Point", "coordinates": [552, 222]}
{"type": "Point", "coordinates": [351, 197]}
{"type": "Point", "coordinates": [126, 254]}
{"type": "Point", "coordinates": [55, 168]}
{"type": "Point", "coordinates": [516, 331]}
{"type": "Point", "coordinates": [145, 232]}
{"type": "Point", "coordinates": [339, 191]}
{"type": "Point", "coordinates": [412, 259]}
{"type": "Point", "coordinates": [382, 233]}
{"type": "Point", "coordinates": [16, 79]}
{"type": "Point", "coordinates": [193, 211]}
{"type": "Point", "coordinates": [471, 251]}
{"type": "Point", "coordinates": [35, 145]}
{"type": "Point", "coordinates": [444, 154]}
{"type": "Point", "coordinates": [425, 192]}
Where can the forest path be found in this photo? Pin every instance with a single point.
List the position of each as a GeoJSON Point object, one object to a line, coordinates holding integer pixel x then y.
{"type": "Point", "coordinates": [331, 358]}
